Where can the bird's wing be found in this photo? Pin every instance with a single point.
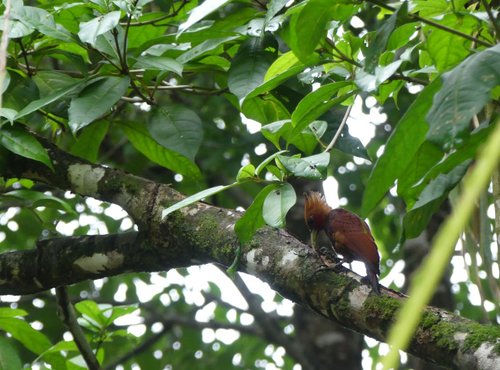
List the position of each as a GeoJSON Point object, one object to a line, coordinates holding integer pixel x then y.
{"type": "Point", "coordinates": [352, 233]}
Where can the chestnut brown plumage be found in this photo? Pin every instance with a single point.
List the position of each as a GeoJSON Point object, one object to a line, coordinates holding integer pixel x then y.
{"type": "Point", "coordinates": [350, 235]}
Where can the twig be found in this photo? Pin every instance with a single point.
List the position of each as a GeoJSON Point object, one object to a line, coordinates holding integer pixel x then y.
{"type": "Point", "coordinates": [339, 130]}
{"type": "Point", "coordinates": [494, 22]}
{"type": "Point", "coordinates": [67, 315]}
{"type": "Point", "coordinates": [3, 47]}
{"type": "Point", "coordinates": [127, 26]}
{"type": "Point", "coordinates": [433, 24]}
{"type": "Point", "coordinates": [25, 56]}
{"type": "Point", "coordinates": [156, 20]}
{"type": "Point", "coordinates": [271, 329]}
{"type": "Point", "coordinates": [139, 349]}
{"type": "Point", "coordinates": [342, 55]}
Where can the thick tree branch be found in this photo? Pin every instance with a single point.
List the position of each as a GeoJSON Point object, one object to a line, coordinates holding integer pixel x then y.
{"type": "Point", "coordinates": [203, 233]}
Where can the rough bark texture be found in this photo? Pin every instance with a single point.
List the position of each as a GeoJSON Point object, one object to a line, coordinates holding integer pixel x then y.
{"type": "Point", "coordinates": [203, 233]}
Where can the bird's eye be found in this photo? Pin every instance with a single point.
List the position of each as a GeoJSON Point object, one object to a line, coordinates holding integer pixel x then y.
{"type": "Point", "coordinates": [310, 222]}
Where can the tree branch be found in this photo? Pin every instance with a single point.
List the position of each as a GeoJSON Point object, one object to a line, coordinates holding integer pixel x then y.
{"type": "Point", "coordinates": [67, 313]}
{"type": "Point", "coordinates": [204, 233]}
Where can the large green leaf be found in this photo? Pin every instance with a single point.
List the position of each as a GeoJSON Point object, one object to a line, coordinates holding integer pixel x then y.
{"type": "Point", "coordinates": [430, 199]}
{"type": "Point", "coordinates": [425, 158]}
{"type": "Point", "coordinates": [96, 100]}
{"type": "Point", "coordinates": [467, 151]}
{"type": "Point", "coordinates": [316, 103]}
{"type": "Point", "coordinates": [177, 128]}
{"type": "Point", "coordinates": [142, 140]}
{"type": "Point", "coordinates": [277, 204]}
{"type": "Point", "coordinates": [203, 48]}
{"type": "Point", "coordinates": [252, 219]}
{"type": "Point", "coordinates": [159, 63]}
{"type": "Point", "coordinates": [309, 27]}
{"type": "Point", "coordinates": [312, 168]}
{"type": "Point", "coordinates": [98, 26]}
{"type": "Point", "coordinates": [59, 94]}
{"type": "Point", "coordinates": [200, 12]}
{"type": "Point", "coordinates": [89, 141]}
{"type": "Point", "coordinates": [43, 21]}
{"type": "Point", "coordinates": [400, 149]}
{"type": "Point", "coordinates": [378, 45]}
{"type": "Point", "coordinates": [22, 143]}
{"type": "Point", "coordinates": [9, 358]}
{"type": "Point", "coordinates": [446, 49]}
{"type": "Point", "coordinates": [282, 69]}
{"type": "Point", "coordinates": [248, 68]}
{"type": "Point", "coordinates": [32, 339]}
{"type": "Point", "coordinates": [466, 90]}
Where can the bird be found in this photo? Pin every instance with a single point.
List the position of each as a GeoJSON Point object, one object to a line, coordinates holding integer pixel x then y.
{"type": "Point", "coordinates": [349, 234]}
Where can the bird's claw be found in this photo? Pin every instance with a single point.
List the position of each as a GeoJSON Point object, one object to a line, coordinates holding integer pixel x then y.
{"type": "Point", "coordinates": [304, 255]}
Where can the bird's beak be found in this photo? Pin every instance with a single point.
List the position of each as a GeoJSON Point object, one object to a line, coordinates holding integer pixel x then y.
{"type": "Point", "coordinates": [314, 235]}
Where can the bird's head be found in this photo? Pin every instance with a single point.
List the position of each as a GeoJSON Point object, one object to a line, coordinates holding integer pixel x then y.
{"type": "Point", "coordinates": [316, 211]}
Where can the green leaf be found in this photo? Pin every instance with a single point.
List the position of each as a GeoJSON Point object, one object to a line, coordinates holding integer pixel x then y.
{"type": "Point", "coordinates": [277, 204]}
{"type": "Point", "coordinates": [252, 219]}
{"type": "Point", "coordinates": [144, 143]}
{"type": "Point", "coordinates": [248, 68]}
{"type": "Point", "coordinates": [466, 90]}
{"type": "Point", "coordinates": [246, 172]}
{"type": "Point", "coordinates": [467, 151]}
{"type": "Point", "coordinates": [312, 168]}
{"type": "Point", "coordinates": [268, 160]}
{"type": "Point", "coordinates": [22, 143]}
{"type": "Point", "coordinates": [426, 157]}
{"type": "Point", "coordinates": [264, 109]}
{"type": "Point", "coordinates": [275, 130]}
{"type": "Point", "coordinates": [203, 48]}
{"type": "Point", "coordinates": [9, 358]}
{"type": "Point", "coordinates": [96, 100]}
{"type": "Point", "coordinates": [37, 104]}
{"type": "Point", "coordinates": [200, 12]}
{"type": "Point", "coordinates": [42, 21]}
{"type": "Point", "coordinates": [98, 26]}
{"type": "Point", "coordinates": [177, 128]}
{"type": "Point", "coordinates": [282, 69]}
{"type": "Point", "coordinates": [400, 149]}
{"type": "Point", "coordinates": [195, 198]}
{"type": "Point", "coordinates": [12, 312]}
{"type": "Point", "coordinates": [32, 339]}
{"type": "Point", "coordinates": [430, 200]}
{"type": "Point", "coordinates": [159, 63]}
{"type": "Point", "coordinates": [446, 49]}
{"type": "Point", "coordinates": [309, 27]}
{"type": "Point", "coordinates": [89, 141]}
{"type": "Point", "coordinates": [38, 199]}
{"type": "Point", "coordinates": [316, 103]}
{"type": "Point", "coordinates": [379, 43]}
{"type": "Point", "coordinates": [92, 313]}
{"type": "Point", "coordinates": [119, 311]}
{"type": "Point", "coordinates": [370, 82]}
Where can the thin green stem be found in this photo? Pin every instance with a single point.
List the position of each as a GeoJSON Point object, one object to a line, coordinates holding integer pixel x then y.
{"type": "Point", "coordinates": [444, 243]}
{"type": "Point", "coordinates": [341, 127]}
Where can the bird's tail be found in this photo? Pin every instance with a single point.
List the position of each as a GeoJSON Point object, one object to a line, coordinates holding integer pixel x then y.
{"type": "Point", "coordinates": [372, 277]}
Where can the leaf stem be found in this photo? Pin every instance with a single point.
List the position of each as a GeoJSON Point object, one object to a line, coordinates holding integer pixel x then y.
{"type": "Point", "coordinates": [341, 127]}
{"type": "Point", "coordinates": [433, 24]}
